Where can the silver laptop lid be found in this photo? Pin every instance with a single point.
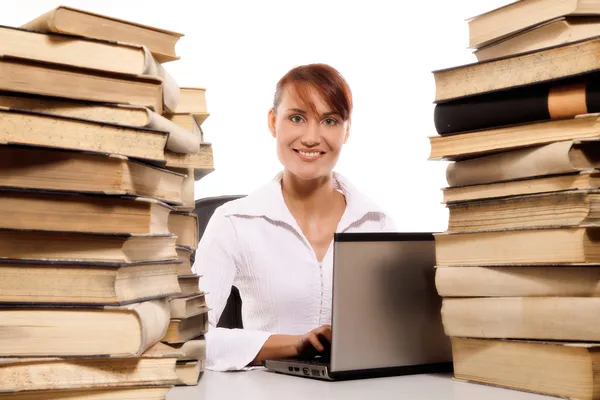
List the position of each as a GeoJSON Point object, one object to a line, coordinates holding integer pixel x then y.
{"type": "Point", "coordinates": [386, 311]}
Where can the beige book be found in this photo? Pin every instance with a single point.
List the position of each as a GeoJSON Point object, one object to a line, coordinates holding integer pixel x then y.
{"type": "Point", "coordinates": [188, 196]}
{"type": "Point", "coordinates": [136, 393]}
{"type": "Point", "coordinates": [192, 350]}
{"type": "Point", "coordinates": [188, 121]}
{"type": "Point", "coordinates": [51, 130]}
{"type": "Point", "coordinates": [31, 331]}
{"type": "Point", "coordinates": [184, 256]}
{"type": "Point", "coordinates": [513, 281]}
{"type": "Point", "coordinates": [553, 33]}
{"type": "Point", "coordinates": [189, 372]}
{"type": "Point", "coordinates": [84, 247]}
{"type": "Point", "coordinates": [552, 245]}
{"type": "Point", "coordinates": [545, 65]}
{"type": "Point", "coordinates": [51, 169]}
{"type": "Point", "coordinates": [571, 208]}
{"type": "Point", "coordinates": [550, 159]}
{"type": "Point", "coordinates": [189, 284]}
{"type": "Point", "coordinates": [179, 140]}
{"type": "Point", "coordinates": [191, 101]}
{"type": "Point", "coordinates": [202, 161]}
{"type": "Point", "coordinates": [84, 23]}
{"type": "Point", "coordinates": [82, 213]}
{"type": "Point", "coordinates": [185, 307]}
{"type": "Point", "coordinates": [545, 184]}
{"type": "Point", "coordinates": [157, 366]}
{"type": "Point", "coordinates": [182, 330]}
{"type": "Point", "coordinates": [474, 144]}
{"type": "Point", "coordinates": [185, 227]}
{"type": "Point", "coordinates": [563, 369]}
{"type": "Point", "coordinates": [518, 16]}
{"type": "Point", "coordinates": [58, 283]}
{"type": "Point", "coordinates": [45, 79]}
{"type": "Point", "coordinates": [540, 318]}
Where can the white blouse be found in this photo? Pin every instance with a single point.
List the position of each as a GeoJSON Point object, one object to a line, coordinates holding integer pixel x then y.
{"type": "Point", "coordinates": [255, 244]}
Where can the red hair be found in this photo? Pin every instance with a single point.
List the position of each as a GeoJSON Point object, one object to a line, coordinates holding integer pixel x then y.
{"type": "Point", "coordinates": [322, 78]}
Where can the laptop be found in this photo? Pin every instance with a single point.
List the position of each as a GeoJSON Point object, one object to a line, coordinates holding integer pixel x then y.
{"type": "Point", "coordinates": [386, 317]}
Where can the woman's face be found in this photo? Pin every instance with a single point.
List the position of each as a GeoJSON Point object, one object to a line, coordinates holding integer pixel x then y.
{"type": "Point", "coordinates": [308, 144]}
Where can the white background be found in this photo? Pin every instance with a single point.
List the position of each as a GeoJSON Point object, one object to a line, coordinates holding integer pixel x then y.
{"type": "Point", "coordinates": [386, 49]}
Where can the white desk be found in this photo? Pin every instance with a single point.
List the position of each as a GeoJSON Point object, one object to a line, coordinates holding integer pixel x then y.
{"type": "Point", "coordinates": [264, 385]}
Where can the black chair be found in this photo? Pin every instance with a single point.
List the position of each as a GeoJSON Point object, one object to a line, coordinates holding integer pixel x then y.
{"type": "Point", "coordinates": [232, 314]}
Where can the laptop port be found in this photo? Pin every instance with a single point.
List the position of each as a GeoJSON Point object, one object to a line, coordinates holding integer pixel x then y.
{"type": "Point", "coordinates": [315, 372]}
{"type": "Point", "coordinates": [305, 371]}
{"type": "Point", "coordinates": [296, 369]}
{"type": "Point", "coordinates": [291, 369]}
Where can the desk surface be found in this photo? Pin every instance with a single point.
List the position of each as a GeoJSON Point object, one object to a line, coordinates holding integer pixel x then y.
{"type": "Point", "coordinates": [265, 385]}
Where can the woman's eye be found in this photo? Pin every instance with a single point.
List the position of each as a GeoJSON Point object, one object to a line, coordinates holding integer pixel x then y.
{"type": "Point", "coordinates": [330, 121]}
{"type": "Point", "coordinates": [296, 118]}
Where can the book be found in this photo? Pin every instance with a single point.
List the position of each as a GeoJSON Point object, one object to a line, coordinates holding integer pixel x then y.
{"type": "Point", "coordinates": [156, 367]}
{"type": "Point", "coordinates": [554, 368]}
{"type": "Point", "coordinates": [187, 189]}
{"type": "Point", "coordinates": [549, 245]}
{"type": "Point", "coordinates": [202, 161]}
{"type": "Point", "coordinates": [135, 393]}
{"type": "Point", "coordinates": [31, 331]}
{"type": "Point", "coordinates": [552, 100]}
{"type": "Point", "coordinates": [85, 248]}
{"type": "Point", "coordinates": [86, 172]}
{"type": "Point", "coordinates": [85, 283]}
{"type": "Point", "coordinates": [514, 281]}
{"type": "Point", "coordinates": [564, 61]}
{"type": "Point", "coordinates": [588, 180]}
{"type": "Point", "coordinates": [185, 307]}
{"type": "Point", "coordinates": [189, 122]}
{"type": "Point", "coordinates": [188, 372]}
{"type": "Point", "coordinates": [540, 318]}
{"type": "Point", "coordinates": [518, 16]}
{"type": "Point", "coordinates": [182, 330]}
{"type": "Point", "coordinates": [50, 130]}
{"type": "Point", "coordinates": [185, 227]}
{"type": "Point", "coordinates": [190, 285]}
{"type": "Point", "coordinates": [46, 79]}
{"type": "Point", "coordinates": [474, 144]}
{"type": "Point", "coordinates": [551, 159]}
{"type": "Point", "coordinates": [77, 22]}
{"type": "Point", "coordinates": [184, 256]}
{"type": "Point", "coordinates": [72, 212]}
{"type": "Point", "coordinates": [192, 350]}
{"type": "Point", "coordinates": [552, 33]}
{"type": "Point", "coordinates": [572, 208]}
{"type": "Point", "coordinates": [191, 101]}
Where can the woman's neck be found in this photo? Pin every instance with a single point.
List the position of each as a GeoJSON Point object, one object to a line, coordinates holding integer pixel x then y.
{"type": "Point", "coordinates": [310, 197]}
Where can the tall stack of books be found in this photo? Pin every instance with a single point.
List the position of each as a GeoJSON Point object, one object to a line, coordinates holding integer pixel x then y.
{"type": "Point", "coordinates": [518, 265]}
{"type": "Point", "coordinates": [89, 262]}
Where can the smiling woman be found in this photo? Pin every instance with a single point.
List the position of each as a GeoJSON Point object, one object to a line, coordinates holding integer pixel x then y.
{"type": "Point", "coordinates": [275, 245]}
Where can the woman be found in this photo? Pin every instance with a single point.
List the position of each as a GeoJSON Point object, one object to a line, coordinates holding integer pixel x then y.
{"type": "Point", "coordinates": [275, 245]}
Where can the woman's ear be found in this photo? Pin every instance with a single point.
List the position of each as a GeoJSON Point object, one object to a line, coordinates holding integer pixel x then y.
{"type": "Point", "coordinates": [347, 134]}
{"type": "Point", "coordinates": [271, 122]}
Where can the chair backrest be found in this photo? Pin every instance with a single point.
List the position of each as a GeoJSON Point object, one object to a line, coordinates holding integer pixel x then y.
{"type": "Point", "coordinates": [232, 314]}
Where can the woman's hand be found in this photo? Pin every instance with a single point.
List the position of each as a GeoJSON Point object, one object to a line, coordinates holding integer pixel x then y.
{"type": "Point", "coordinates": [311, 339]}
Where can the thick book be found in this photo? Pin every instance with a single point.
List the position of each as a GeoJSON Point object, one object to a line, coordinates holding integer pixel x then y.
{"type": "Point", "coordinates": [188, 197]}
{"type": "Point", "coordinates": [120, 331]}
{"type": "Point", "coordinates": [77, 22]}
{"type": "Point", "coordinates": [189, 372]}
{"type": "Point", "coordinates": [85, 247]}
{"type": "Point", "coordinates": [540, 318]}
{"type": "Point", "coordinates": [201, 161]}
{"type": "Point", "coordinates": [192, 350]}
{"type": "Point", "coordinates": [589, 180]}
{"type": "Point", "coordinates": [563, 369]}
{"type": "Point", "coordinates": [513, 281]}
{"type": "Point", "coordinates": [155, 367]}
{"type": "Point", "coordinates": [38, 210]}
{"type": "Point", "coordinates": [51, 130]}
{"type": "Point", "coordinates": [552, 33]}
{"type": "Point", "coordinates": [86, 283]}
{"type": "Point", "coordinates": [572, 208]}
{"type": "Point", "coordinates": [545, 65]}
{"type": "Point", "coordinates": [185, 227]}
{"type": "Point", "coordinates": [184, 256]}
{"type": "Point", "coordinates": [125, 393]}
{"type": "Point", "coordinates": [48, 79]}
{"type": "Point", "coordinates": [516, 17]}
{"type": "Point", "coordinates": [549, 245]}
{"type": "Point", "coordinates": [86, 172]}
{"type": "Point", "coordinates": [566, 98]}
{"type": "Point", "coordinates": [551, 159]}
{"type": "Point", "coordinates": [186, 306]}
{"type": "Point", "coordinates": [182, 330]}
{"type": "Point", "coordinates": [189, 284]}
{"type": "Point", "coordinates": [479, 143]}
{"type": "Point", "coordinates": [192, 101]}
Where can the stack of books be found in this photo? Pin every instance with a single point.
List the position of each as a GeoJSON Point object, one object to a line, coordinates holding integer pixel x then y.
{"type": "Point", "coordinates": [97, 169]}
{"type": "Point", "coordinates": [518, 266]}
